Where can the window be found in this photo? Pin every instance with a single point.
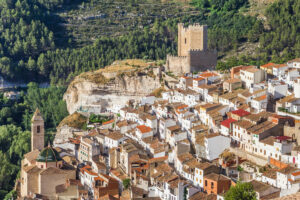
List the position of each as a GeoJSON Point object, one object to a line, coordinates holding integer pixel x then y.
{"type": "Point", "coordinates": [38, 129]}
{"type": "Point", "coordinates": [205, 182]}
{"type": "Point", "coordinates": [212, 185]}
{"type": "Point", "coordinates": [184, 40]}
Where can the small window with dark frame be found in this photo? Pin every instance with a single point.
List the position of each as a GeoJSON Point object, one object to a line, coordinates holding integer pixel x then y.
{"type": "Point", "coordinates": [38, 129]}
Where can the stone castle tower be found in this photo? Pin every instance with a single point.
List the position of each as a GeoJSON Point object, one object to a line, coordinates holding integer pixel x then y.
{"type": "Point", "coordinates": [37, 131]}
{"type": "Point", "coordinates": [193, 54]}
{"type": "Point", "coordinates": [192, 37]}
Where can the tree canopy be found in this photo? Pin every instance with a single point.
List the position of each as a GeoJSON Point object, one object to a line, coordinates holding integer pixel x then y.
{"type": "Point", "coordinates": [241, 191]}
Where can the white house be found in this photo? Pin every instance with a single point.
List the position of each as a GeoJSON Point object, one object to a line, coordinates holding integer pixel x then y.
{"type": "Point", "coordinates": [150, 99]}
{"type": "Point", "coordinates": [283, 176]}
{"type": "Point", "coordinates": [251, 76]}
{"type": "Point", "coordinates": [113, 139]}
{"type": "Point", "coordinates": [198, 81]}
{"type": "Point", "coordinates": [226, 126]}
{"type": "Point", "coordinates": [163, 125]}
{"type": "Point", "coordinates": [87, 149]}
{"type": "Point", "coordinates": [294, 63]}
{"type": "Point", "coordinates": [214, 145]}
{"type": "Point", "coordinates": [277, 89]}
{"type": "Point", "coordinates": [143, 131]}
{"type": "Point", "coordinates": [279, 70]}
{"type": "Point", "coordinates": [260, 103]}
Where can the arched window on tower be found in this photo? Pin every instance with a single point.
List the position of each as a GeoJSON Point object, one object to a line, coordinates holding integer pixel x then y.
{"type": "Point", "coordinates": [38, 129]}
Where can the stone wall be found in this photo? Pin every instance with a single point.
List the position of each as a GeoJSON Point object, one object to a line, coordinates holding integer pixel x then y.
{"type": "Point", "coordinates": [177, 64]}
{"type": "Point", "coordinates": [252, 158]}
{"type": "Point", "coordinates": [202, 60]}
{"type": "Point", "coordinates": [191, 37]}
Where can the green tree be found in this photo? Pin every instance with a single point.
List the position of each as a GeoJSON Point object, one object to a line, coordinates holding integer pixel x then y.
{"type": "Point", "coordinates": [241, 191]}
{"type": "Point", "coordinates": [126, 183]}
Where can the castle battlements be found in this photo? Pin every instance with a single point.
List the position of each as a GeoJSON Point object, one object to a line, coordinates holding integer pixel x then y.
{"type": "Point", "coordinates": [172, 56]}
{"type": "Point", "coordinates": [193, 54]}
{"type": "Point", "coordinates": [195, 26]}
{"type": "Point", "coordinates": [200, 50]}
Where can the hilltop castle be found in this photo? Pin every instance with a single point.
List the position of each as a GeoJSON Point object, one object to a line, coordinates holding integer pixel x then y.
{"type": "Point", "coordinates": [193, 54]}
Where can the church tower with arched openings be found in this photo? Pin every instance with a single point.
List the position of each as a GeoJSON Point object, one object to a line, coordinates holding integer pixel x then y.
{"type": "Point", "coordinates": [37, 131]}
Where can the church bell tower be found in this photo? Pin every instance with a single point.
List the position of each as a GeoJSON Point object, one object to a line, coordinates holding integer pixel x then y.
{"type": "Point", "coordinates": [37, 131]}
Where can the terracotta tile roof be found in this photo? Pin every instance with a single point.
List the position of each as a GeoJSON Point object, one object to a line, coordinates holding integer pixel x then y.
{"type": "Point", "coordinates": [199, 79]}
{"type": "Point", "coordinates": [260, 98]}
{"type": "Point", "coordinates": [271, 173]}
{"type": "Point", "coordinates": [144, 129]}
{"type": "Point", "coordinates": [216, 177]}
{"type": "Point", "coordinates": [159, 159]}
{"type": "Point", "coordinates": [240, 112]}
{"type": "Point", "coordinates": [108, 122]}
{"type": "Point", "coordinates": [243, 124]}
{"type": "Point", "coordinates": [115, 135]}
{"type": "Point", "coordinates": [88, 169]}
{"type": "Point", "coordinates": [31, 156]}
{"type": "Point", "coordinates": [268, 65]}
{"type": "Point", "coordinates": [288, 170]}
{"type": "Point", "coordinates": [203, 196]}
{"type": "Point", "coordinates": [296, 173]}
{"type": "Point", "coordinates": [252, 70]}
{"type": "Point", "coordinates": [280, 66]}
{"type": "Point", "coordinates": [185, 157]}
{"type": "Point", "coordinates": [181, 107]}
{"type": "Point", "coordinates": [174, 128]}
{"type": "Point", "coordinates": [227, 122]}
{"type": "Point", "coordinates": [262, 127]}
{"type": "Point", "coordinates": [233, 80]}
{"type": "Point", "coordinates": [290, 197]}
{"type": "Point", "coordinates": [208, 74]}
{"type": "Point", "coordinates": [259, 186]}
{"type": "Point", "coordinates": [269, 140]}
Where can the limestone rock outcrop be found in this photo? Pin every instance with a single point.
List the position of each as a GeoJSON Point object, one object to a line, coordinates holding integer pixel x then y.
{"type": "Point", "coordinates": [112, 86]}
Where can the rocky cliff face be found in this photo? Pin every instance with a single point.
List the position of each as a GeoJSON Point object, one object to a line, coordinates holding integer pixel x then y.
{"type": "Point", "coordinates": [112, 87]}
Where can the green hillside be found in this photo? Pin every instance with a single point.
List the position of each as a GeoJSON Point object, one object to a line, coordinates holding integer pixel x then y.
{"type": "Point", "coordinates": [55, 40]}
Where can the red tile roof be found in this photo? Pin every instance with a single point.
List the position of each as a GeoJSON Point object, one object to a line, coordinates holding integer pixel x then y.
{"type": "Point", "coordinates": [267, 65]}
{"type": "Point", "coordinates": [282, 138]}
{"type": "Point", "coordinates": [263, 97]}
{"type": "Point", "coordinates": [144, 129]}
{"type": "Point", "coordinates": [88, 169]}
{"type": "Point", "coordinates": [108, 122]}
{"type": "Point", "coordinates": [296, 173]}
{"type": "Point", "coordinates": [241, 112]}
{"type": "Point", "coordinates": [227, 122]}
{"type": "Point", "coordinates": [208, 74]}
{"type": "Point", "coordinates": [199, 79]}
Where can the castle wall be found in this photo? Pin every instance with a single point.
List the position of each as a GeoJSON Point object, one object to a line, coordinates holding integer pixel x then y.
{"type": "Point", "coordinates": [198, 37]}
{"type": "Point", "coordinates": [177, 65]}
{"type": "Point", "coordinates": [193, 55]}
{"type": "Point", "coordinates": [191, 37]}
{"type": "Point", "coordinates": [202, 60]}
